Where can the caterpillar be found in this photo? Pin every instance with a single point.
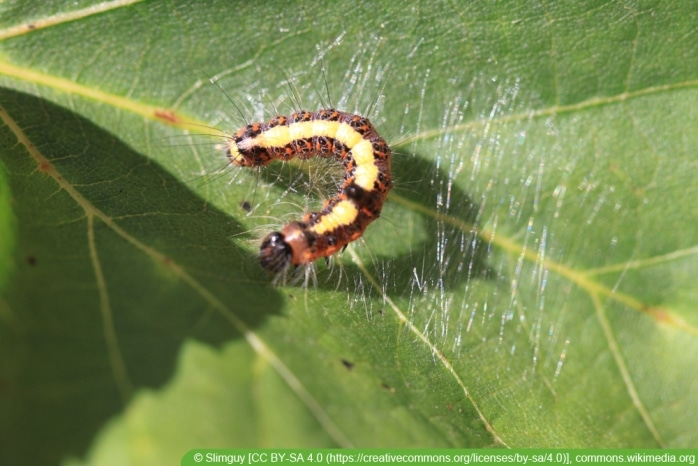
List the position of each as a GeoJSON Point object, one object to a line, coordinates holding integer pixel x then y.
{"type": "Point", "coordinates": [350, 139]}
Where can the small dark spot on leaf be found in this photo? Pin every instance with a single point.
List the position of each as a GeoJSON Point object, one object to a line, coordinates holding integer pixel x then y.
{"type": "Point", "coordinates": [31, 260]}
{"type": "Point", "coordinates": [246, 206]}
{"type": "Point", "coordinates": [348, 364]}
{"type": "Point", "coordinates": [385, 386]}
{"type": "Point", "coordinates": [449, 406]}
{"type": "Point", "coordinates": [31, 26]}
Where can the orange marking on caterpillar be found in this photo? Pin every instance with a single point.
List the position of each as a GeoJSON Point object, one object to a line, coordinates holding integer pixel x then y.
{"type": "Point", "coordinates": [351, 140]}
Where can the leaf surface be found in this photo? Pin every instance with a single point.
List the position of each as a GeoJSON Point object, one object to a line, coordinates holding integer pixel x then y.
{"type": "Point", "coordinates": [530, 282]}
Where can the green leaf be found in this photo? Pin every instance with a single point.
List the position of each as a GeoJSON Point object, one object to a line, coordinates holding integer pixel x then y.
{"type": "Point", "coordinates": [530, 282]}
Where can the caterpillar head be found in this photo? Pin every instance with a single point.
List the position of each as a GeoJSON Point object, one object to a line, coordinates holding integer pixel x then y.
{"type": "Point", "coordinates": [275, 254]}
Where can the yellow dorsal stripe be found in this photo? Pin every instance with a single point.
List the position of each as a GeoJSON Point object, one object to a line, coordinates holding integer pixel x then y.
{"type": "Point", "coordinates": [365, 176]}
{"type": "Point", "coordinates": [342, 214]}
{"type": "Point", "coordinates": [280, 136]}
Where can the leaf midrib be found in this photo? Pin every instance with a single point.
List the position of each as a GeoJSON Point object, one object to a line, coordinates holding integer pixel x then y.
{"type": "Point", "coordinates": [62, 18]}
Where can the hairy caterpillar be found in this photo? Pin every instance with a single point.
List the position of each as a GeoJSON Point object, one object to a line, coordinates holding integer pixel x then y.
{"type": "Point", "coordinates": [348, 138]}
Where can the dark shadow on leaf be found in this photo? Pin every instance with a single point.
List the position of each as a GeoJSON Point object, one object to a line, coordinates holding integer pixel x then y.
{"type": "Point", "coordinates": [455, 250]}
{"type": "Point", "coordinates": [452, 247]}
{"type": "Point", "coordinates": [62, 354]}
